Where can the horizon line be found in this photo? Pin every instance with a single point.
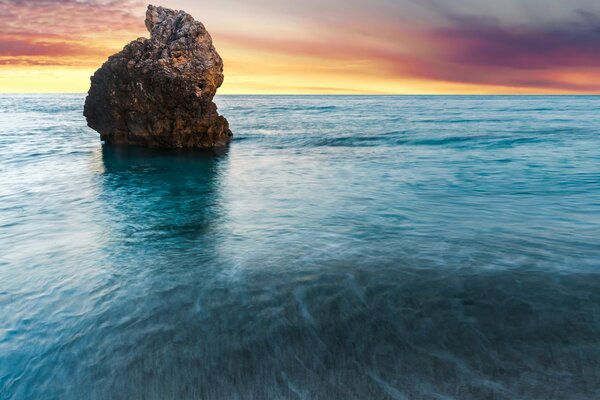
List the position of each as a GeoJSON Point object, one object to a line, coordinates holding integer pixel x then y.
{"type": "Point", "coordinates": [347, 94]}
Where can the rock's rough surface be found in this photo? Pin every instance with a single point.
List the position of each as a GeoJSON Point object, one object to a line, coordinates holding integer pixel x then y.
{"type": "Point", "coordinates": [158, 92]}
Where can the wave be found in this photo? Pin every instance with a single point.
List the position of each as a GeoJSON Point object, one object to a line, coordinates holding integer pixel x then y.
{"type": "Point", "coordinates": [302, 108]}
{"type": "Point", "coordinates": [393, 139]}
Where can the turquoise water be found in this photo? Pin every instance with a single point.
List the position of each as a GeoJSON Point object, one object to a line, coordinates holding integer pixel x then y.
{"type": "Point", "coordinates": [341, 248]}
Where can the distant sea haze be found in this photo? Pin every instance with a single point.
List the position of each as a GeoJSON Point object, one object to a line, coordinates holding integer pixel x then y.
{"type": "Point", "coordinates": [342, 247]}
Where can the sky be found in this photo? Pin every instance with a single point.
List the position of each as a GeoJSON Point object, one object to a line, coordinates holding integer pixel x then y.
{"type": "Point", "coordinates": [318, 46]}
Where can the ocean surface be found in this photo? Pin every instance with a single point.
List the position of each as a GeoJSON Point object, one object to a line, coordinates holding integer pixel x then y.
{"type": "Point", "coordinates": [343, 247]}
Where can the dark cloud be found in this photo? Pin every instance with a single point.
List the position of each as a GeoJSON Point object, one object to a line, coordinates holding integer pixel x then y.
{"type": "Point", "coordinates": [479, 43]}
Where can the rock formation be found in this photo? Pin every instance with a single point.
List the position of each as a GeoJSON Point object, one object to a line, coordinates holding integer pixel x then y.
{"type": "Point", "coordinates": [158, 92]}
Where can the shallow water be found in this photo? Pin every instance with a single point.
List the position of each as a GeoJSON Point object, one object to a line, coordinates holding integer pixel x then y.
{"type": "Point", "coordinates": [341, 248]}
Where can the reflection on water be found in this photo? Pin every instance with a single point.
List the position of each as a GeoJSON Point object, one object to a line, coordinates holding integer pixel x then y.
{"type": "Point", "coordinates": [162, 198]}
{"type": "Point", "coordinates": [308, 261]}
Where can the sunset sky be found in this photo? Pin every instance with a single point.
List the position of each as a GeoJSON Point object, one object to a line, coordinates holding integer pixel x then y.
{"type": "Point", "coordinates": [316, 46]}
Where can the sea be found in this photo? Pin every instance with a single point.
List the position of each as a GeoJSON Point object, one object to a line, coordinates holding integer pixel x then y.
{"type": "Point", "coordinates": [342, 247]}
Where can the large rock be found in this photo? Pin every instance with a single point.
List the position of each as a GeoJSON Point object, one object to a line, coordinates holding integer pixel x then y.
{"type": "Point", "coordinates": [158, 92]}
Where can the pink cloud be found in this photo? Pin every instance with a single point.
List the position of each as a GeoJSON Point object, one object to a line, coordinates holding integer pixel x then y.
{"type": "Point", "coordinates": [70, 17]}
{"type": "Point", "coordinates": [55, 29]}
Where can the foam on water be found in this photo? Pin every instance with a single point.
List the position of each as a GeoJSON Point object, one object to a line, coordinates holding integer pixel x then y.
{"type": "Point", "coordinates": [429, 247]}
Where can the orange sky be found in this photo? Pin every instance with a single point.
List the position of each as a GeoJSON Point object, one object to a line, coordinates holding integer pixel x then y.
{"type": "Point", "coordinates": [377, 46]}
